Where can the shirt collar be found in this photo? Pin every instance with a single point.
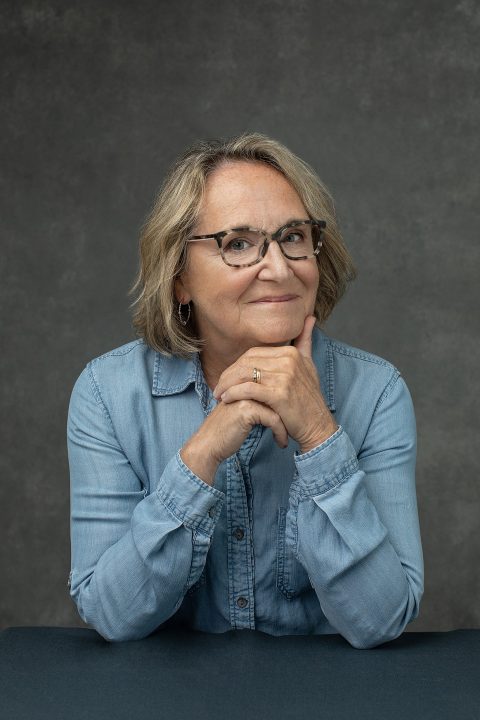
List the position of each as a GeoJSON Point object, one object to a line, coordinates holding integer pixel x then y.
{"type": "Point", "coordinates": [172, 375]}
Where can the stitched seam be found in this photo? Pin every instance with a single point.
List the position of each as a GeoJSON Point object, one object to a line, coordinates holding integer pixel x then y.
{"type": "Point", "coordinates": [331, 481]}
{"type": "Point", "coordinates": [170, 390]}
{"type": "Point", "coordinates": [361, 356]}
{"type": "Point", "coordinates": [98, 397]}
{"type": "Point", "coordinates": [170, 506]}
{"type": "Point", "coordinates": [302, 457]}
{"type": "Point", "coordinates": [217, 494]}
{"type": "Point", "coordinates": [175, 389]}
{"type": "Point", "coordinates": [119, 351]}
{"type": "Point", "coordinates": [201, 526]}
{"type": "Point", "coordinates": [388, 388]}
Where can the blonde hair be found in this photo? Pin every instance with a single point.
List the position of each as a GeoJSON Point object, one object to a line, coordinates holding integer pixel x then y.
{"type": "Point", "coordinates": [173, 217]}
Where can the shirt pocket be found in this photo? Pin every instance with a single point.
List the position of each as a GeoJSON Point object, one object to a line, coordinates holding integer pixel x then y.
{"type": "Point", "coordinates": [291, 577]}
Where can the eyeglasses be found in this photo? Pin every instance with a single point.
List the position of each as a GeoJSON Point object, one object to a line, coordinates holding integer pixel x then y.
{"type": "Point", "coordinates": [245, 246]}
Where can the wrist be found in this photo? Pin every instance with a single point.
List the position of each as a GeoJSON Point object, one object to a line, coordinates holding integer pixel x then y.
{"type": "Point", "coordinates": [318, 438]}
{"type": "Point", "coordinates": [200, 461]}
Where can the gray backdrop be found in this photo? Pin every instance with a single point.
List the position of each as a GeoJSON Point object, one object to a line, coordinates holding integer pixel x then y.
{"type": "Point", "coordinates": [98, 98]}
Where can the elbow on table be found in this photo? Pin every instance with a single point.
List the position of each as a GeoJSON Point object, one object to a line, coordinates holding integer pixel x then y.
{"type": "Point", "coordinates": [367, 642]}
{"type": "Point", "coordinates": [116, 631]}
{"type": "Point", "coordinates": [373, 637]}
{"type": "Point", "coordinates": [122, 634]}
{"type": "Point", "coordinates": [106, 627]}
{"type": "Point", "coordinates": [110, 620]}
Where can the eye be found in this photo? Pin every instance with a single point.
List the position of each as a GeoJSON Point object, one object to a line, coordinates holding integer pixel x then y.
{"type": "Point", "coordinates": [293, 236]}
{"type": "Point", "coordinates": [238, 244]}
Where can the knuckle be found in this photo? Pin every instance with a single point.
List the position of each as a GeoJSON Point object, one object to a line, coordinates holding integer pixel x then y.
{"type": "Point", "coordinates": [291, 362]}
{"type": "Point", "coordinates": [290, 366]}
{"type": "Point", "coordinates": [275, 417]}
{"type": "Point", "coordinates": [245, 406]}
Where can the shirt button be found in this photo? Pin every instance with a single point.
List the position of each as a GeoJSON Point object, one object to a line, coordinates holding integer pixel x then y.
{"type": "Point", "coordinates": [242, 602]}
{"type": "Point", "coordinates": [211, 512]}
{"type": "Point", "coordinates": [238, 533]}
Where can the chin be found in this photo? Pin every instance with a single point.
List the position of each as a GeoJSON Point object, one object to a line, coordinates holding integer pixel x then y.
{"type": "Point", "coordinates": [278, 335]}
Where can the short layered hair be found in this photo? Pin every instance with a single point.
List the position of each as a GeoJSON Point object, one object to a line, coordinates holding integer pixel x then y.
{"type": "Point", "coordinates": [163, 239]}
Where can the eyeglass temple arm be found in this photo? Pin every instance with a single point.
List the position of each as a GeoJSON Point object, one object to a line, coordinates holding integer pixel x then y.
{"type": "Point", "coordinates": [214, 236]}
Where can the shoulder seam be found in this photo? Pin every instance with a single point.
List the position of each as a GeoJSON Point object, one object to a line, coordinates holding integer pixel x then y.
{"type": "Point", "coordinates": [97, 394]}
{"type": "Point", "coordinates": [119, 351]}
{"type": "Point", "coordinates": [388, 388]}
{"type": "Point", "coordinates": [353, 352]}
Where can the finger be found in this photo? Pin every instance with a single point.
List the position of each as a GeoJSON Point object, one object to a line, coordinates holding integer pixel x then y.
{"type": "Point", "coordinates": [242, 370]}
{"type": "Point", "coordinates": [249, 391]}
{"type": "Point", "coordinates": [303, 342]}
{"type": "Point", "coordinates": [277, 427]}
{"type": "Point", "coordinates": [264, 415]}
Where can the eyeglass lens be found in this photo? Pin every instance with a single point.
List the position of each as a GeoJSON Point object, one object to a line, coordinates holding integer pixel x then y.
{"type": "Point", "coordinates": [241, 247]}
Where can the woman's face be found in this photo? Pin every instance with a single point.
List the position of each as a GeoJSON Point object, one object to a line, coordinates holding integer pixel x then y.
{"type": "Point", "coordinates": [233, 306]}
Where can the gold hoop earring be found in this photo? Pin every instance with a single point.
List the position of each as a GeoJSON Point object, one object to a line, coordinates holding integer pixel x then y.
{"type": "Point", "coordinates": [180, 316]}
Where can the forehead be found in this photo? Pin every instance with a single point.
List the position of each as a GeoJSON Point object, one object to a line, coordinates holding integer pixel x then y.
{"type": "Point", "coordinates": [241, 192]}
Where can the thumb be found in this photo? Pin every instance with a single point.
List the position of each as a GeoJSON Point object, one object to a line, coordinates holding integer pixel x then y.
{"type": "Point", "coordinates": [303, 342]}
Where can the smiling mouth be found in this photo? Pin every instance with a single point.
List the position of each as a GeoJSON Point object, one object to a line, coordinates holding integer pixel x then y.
{"type": "Point", "coordinates": [280, 298]}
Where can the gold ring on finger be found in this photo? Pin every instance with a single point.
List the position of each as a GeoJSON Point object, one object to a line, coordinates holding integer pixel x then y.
{"type": "Point", "coordinates": [257, 375]}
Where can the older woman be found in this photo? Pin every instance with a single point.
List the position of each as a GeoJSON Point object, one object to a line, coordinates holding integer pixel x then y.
{"type": "Point", "coordinates": [235, 467]}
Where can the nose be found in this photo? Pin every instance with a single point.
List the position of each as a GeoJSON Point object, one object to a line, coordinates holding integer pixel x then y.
{"type": "Point", "coordinates": [274, 264]}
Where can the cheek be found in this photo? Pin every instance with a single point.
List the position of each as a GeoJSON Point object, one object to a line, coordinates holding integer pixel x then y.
{"type": "Point", "coordinates": [311, 278]}
{"type": "Point", "coordinates": [221, 289]}
{"type": "Point", "coordinates": [231, 286]}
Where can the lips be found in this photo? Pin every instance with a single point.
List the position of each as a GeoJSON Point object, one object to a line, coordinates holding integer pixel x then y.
{"type": "Point", "coordinates": [277, 298]}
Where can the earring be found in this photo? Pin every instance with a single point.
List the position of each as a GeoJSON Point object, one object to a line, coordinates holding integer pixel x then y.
{"type": "Point", "coordinates": [184, 322]}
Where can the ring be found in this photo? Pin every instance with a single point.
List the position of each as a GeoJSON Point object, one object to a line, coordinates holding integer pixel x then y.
{"type": "Point", "coordinates": [257, 375]}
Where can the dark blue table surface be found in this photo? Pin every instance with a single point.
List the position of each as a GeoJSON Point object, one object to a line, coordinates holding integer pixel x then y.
{"type": "Point", "coordinates": [242, 674]}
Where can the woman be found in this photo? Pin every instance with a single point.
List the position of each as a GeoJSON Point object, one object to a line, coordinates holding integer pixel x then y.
{"type": "Point", "coordinates": [235, 467]}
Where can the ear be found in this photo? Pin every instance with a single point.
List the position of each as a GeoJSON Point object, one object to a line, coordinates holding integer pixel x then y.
{"type": "Point", "coordinates": [181, 293]}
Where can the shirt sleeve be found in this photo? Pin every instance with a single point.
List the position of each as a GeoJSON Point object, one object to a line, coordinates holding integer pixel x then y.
{"type": "Point", "coordinates": [354, 523]}
{"type": "Point", "coordinates": [134, 555]}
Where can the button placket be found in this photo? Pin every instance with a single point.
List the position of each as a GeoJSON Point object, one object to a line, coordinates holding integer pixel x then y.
{"type": "Point", "coordinates": [239, 548]}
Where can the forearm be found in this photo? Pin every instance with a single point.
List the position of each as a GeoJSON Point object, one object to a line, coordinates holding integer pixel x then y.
{"type": "Point", "coordinates": [127, 586]}
{"type": "Point", "coordinates": [364, 560]}
{"type": "Point", "coordinates": [363, 588]}
{"type": "Point", "coordinates": [127, 595]}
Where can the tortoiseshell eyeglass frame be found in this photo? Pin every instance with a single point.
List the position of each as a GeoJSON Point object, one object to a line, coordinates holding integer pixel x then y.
{"type": "Point", "coordinates": [269, 237]}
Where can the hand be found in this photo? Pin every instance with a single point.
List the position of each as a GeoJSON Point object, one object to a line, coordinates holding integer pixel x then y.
{"type": "Point", "coordinates": [289, 386]}
{"type": "Point", "coordinates": [223, 432]}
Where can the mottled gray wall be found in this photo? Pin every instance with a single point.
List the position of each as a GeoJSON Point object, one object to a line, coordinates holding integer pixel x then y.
{"type": "Point", "coordinates": [97, 98]}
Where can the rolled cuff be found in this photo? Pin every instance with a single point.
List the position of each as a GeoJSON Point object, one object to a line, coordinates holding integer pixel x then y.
{"type": "Point", "coordinates": [188, 497]}
{"type": "Point", "coordinates": [326, 465]}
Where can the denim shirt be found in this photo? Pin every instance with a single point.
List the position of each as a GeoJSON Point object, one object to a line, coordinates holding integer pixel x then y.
{"type": "Point", "coordinates": [327, 541]}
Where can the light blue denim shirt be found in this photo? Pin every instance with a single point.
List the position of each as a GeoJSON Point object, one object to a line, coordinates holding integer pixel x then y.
{"type": "Point", "coordinates": [322, 542]}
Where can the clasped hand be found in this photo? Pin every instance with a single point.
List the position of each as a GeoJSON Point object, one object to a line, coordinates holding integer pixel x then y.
{"type": "Point", "coordinates": [288, 400]}
{"type": "Point", "coordinates": [289, 387]}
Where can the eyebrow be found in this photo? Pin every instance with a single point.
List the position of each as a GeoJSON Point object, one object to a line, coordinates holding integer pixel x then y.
{"type": "Point", "coordinates": [287, 222]}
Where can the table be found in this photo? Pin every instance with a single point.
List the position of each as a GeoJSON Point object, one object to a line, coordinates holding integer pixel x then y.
{"type": "Point", "coordinates": [242, 674]}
